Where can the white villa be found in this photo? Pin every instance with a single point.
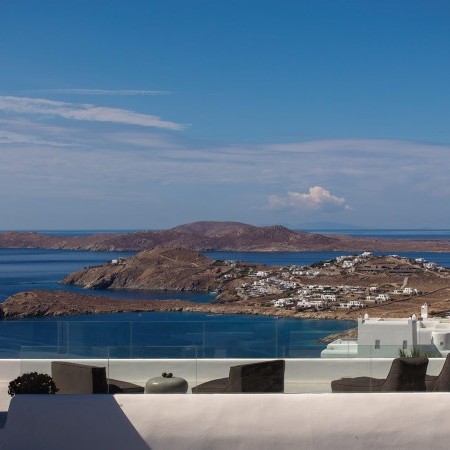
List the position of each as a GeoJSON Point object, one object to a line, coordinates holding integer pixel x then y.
{"type": "Point", "coordinates": [384, 338]}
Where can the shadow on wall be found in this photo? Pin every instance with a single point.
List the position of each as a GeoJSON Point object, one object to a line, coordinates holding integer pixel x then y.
{"type": "Point", "coordinates": [80, 423]}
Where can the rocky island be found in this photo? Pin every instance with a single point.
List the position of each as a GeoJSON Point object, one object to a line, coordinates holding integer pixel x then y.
{"type": "Point", "coordinates": [220, 236]}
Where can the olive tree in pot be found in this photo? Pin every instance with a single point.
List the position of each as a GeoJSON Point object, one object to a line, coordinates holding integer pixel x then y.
{"type": "Point", "coordinates": [32, 383]}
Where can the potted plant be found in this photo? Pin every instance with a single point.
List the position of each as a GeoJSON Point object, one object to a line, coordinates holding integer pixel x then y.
{"type": "Point", "coordinates": [32, 383]}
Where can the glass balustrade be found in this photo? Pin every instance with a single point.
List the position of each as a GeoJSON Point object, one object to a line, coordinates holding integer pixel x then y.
{"type": "Point", "coordinates": [139, 365]}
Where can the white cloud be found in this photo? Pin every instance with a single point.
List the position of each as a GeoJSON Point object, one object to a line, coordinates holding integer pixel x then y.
{"type": "Point", "coordinates": [107, 91]}
{"type": "Point", "coordinates": [317, 199]}
{"type": "Point", "coordinates": [87, 112]}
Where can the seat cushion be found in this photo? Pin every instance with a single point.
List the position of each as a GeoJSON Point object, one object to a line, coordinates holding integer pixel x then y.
{"type": "Point", "coordinates": [211, 387]}
{"type": "Point", "coordinates": [123, 387]}
{"type": "Point", "coordinates": [358, 384]}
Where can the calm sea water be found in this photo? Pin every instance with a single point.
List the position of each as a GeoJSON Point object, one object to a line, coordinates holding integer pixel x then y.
{"type": "Point", "coordinates": [426, 234]}
{"type": "Point", "coordinates": [363, 232]}
{"type": "Point", "coordinates": [155, 334]}
{"type": "Point", "coordinates": [307, 258]}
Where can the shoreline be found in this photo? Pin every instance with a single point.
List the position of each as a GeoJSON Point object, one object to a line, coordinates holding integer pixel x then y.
{"type": "Point", "coordinates": [60, 303]}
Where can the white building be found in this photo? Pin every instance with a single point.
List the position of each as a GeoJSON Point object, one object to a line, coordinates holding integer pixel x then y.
{"type": "Point", "coordinates": [382, 338]}
{"type": "Point", "coordinates": [318, 304]}
{"type": "Point", "coordinates": [410, 291]}
{"type": "Point", "coordinates": [262, 274]}
{"type": "Point", "coordinates": [329, 297]}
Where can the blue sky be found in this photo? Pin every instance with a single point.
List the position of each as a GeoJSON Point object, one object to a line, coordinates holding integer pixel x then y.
{"type": "Point", "coordinates": [148, 114]}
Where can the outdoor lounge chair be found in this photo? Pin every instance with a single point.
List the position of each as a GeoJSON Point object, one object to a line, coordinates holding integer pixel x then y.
{"type": "Point", "coordinates": [405, 375]}
{"type": "Point", "coordinates": [73, 378]}
{"type": "Point", "coordinates": [267, 376]}
{"type": "Point", "coordinates": [440, 383]}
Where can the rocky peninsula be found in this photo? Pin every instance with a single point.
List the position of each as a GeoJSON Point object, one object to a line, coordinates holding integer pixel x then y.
{"type": "Point", "coordinates": [219, 236]}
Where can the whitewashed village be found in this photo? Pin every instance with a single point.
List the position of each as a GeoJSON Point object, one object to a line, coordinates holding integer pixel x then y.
{"type": "Point", "coordinates": [304, 288]}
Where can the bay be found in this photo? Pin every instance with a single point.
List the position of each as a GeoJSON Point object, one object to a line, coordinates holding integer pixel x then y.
{"type": "Point", "coordinates": [30, 269]}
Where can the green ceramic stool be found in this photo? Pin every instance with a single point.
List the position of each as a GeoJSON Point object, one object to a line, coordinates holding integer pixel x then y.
{"type": "Point", "coordinates": [166, 384]}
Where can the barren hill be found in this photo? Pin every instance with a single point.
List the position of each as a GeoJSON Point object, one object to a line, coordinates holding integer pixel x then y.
{"type": "Point", "coordinates": [221, 236]}
{"type": "Point", "coordinates": [172, 269]}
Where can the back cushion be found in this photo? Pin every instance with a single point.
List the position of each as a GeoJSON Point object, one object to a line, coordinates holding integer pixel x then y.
{"type": "Point", "coordinates": [72, 378]}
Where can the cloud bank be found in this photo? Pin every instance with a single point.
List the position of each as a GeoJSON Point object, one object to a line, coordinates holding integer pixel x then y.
{"type": "Point", "coordinates": [317, 199]}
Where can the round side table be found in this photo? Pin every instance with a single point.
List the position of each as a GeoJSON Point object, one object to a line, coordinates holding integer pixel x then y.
{"type": "Point", "coordinates": [166, 385]}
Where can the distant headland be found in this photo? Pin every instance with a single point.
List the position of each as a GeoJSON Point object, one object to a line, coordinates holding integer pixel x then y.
{"type": "Point", "coordinates": [220, 236]}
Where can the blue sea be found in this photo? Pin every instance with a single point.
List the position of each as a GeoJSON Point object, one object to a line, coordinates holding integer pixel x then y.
{"type": "Point", "coordinates": [426, 234]}
{"type": "Point", "coordinates": [155, 334]}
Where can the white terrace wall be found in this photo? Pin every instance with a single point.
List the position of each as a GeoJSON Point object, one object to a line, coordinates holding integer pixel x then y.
{"type": "Point", "coordinates": [228, 421]}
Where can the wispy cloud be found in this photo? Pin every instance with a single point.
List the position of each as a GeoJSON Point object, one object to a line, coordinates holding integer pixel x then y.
{"type": "Point", "coordinates": [317, 199]}
{"type": "Point", "coordinates": [124, 92]}
{"type": "Point", "coordinates": [86, 112]}
{"type": "Point", "coordinates": [7, 137]}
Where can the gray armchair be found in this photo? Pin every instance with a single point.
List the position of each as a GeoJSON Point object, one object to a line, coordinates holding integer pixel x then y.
{"type": "Point", "coordinates": [73, 378]}
{"type": "Point", "coordinates": [440, 383]}
{"type": "Point", "coordinates": [405, 375]}
{"type": "Point", "coordinates": [267, 376]}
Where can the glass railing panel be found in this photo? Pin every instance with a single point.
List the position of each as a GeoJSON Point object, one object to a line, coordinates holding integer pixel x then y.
{"type": "Point", "coordinates": [16, 333]}
{"type": "Point", "coordinates": [214, 339]}
{"type": "Point", "coordinates": [96, 334]}
{"type": "Point", "coordinates": [238, 340]}
{"type": "Point", "coordinates": [153, 352]}
{"type": "Point", "coordinates": [39, 358]}
{"type": "Point", "coordinates": [166, 334]}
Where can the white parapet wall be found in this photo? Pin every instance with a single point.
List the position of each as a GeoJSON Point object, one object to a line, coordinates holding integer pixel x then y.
{"type": "Point", "coordinates": [228, 421]}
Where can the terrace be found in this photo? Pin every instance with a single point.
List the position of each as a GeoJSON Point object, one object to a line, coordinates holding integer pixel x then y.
{"type": "Point", "coordinates": [181, 421]}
